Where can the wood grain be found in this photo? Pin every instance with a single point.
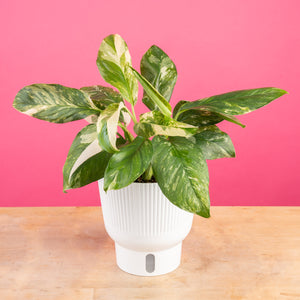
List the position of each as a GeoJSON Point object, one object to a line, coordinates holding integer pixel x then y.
{"type": "Point", "coordinates": [65, 253]}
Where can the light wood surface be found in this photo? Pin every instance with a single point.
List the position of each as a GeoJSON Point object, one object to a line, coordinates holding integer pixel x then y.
{"type": "Point", "coordinates": [65, 253]}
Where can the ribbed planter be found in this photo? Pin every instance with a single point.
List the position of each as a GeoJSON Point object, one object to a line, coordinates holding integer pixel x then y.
{"type": "Point", "coordinates": [147, 228]}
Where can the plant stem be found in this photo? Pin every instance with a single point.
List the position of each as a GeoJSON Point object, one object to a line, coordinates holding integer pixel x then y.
{"type": "Point", "coordinates": [133, 114]}
{"type": "Point", "coordinates": [148, 173]}
{"type": "Point", "coordinates": [126, 132]}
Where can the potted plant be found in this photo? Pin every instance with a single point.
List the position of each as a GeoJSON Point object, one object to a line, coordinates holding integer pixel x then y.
{"type": "Point", "coordinates": [150, 184]}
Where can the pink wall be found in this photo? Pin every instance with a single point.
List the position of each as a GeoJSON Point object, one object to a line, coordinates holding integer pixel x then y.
{"type": "Point", "coordinates": [218, 46]}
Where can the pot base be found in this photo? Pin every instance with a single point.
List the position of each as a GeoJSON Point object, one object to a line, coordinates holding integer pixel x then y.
{"type": "Point", "coordinates": [148, 263]}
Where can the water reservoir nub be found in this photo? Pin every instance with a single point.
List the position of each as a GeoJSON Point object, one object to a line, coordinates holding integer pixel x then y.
{"type": "Point", "coordinates": [150, 263]}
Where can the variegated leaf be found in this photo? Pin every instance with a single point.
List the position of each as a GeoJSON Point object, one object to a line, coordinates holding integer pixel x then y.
{"type": "Point", "coordinates": [199, 117]}
{"type": "Point", "coordinates": [155, 123]}
{"type": "Point", "coordinates": [160, 71]}
{"type": "Point", "coordinates": [86, 161]}
{"type": "Point", "coordinates": [127, 134]}
{"type": "Point", "coordinates": [92, 119]}
{"type": "Point", "coordinates": [196, 117]}
{"type": "Point", "coordinates": [214, 143]}
{"type": "Point", "coordinates": [181, 172]}
{"type": "Point", "coordinates": [54, 103]}
{"type": "Point", "coordinates": [120, 140]}
{"type": "Point", "coordinates": [204, 116]}
{"type": "Point", "coordinates": [177, 107]}
{"type": "Point", "coordinates": [124, 118]}
{"type": "Point", "coordinates": [102, 96]}
{"type": "Point", "coordinates": [107, 127]}
{"type": "Point", "coordinates": [157, 99]}
{"type": "Point", "coordinates": [128, 164]}
{"type": "Point", "coordinates": [113, 63]}
{"type": "Point", "coordinates": [237, 102]}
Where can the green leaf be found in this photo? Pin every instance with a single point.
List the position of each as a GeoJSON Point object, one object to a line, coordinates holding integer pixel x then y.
{"type": "Point", "coordinates": [127, 134]}
{"type": "Point", "coordinates": [204, 116]}
{"type": "Point", "coordinates": [216, 112]}
{"type": "Point", "coordinates": [196, 117]}
{"type": "Point", "coordinates": [54, 103]}
{"type": "Point", "coordinates": [120, 140]}
{"type": "Point", "coordinates": [107, 127]}
{"type": "Point", "coordinates": [177, 107]}
{"type": "Point", "coordinates": [154, 95]}
{"type": "Point", "coordinates": [86, 161]}
{"type": "Point", "coordinates": [113, 63]}
{"type": "Point", "coordinates": [181, 172]}
{"type": "Point", "coordinates": [237, 102]}
{"type": "Point", "coordinates": [155, 123]}
{"type": "Point", "coordinates": [160, 71]}
{"type": "Point", "coordinates": [128, 164]}
{"type": "Point", "coordinates": [214, 143]}
{"type": "Point", "coordinates": [199, 117]}
{"type": "Point", "coordinates": [102, 96]}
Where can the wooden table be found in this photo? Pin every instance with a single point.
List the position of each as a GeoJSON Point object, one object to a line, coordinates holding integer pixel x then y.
{"type": "Point", "coordinates": [65, 253]}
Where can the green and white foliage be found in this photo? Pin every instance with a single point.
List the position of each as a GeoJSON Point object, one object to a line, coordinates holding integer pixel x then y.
{"type": "Point", "coordinates": [128, 164]}
{"type": "Point", "coordinates": [102, 96]}
{"type": "Point", "coordinates": [114, 62]}
{"type": "Point", "coordinates": [156, 98]}
{"type": "Point", "coordinates": [183, 175]}
{"type": "Point", "coordinates": [201, 115]}
{"type": "Point", "coordinates": [225, 106]}
{"type": "Point", "coordinates": [214, 143]}
{"type": "Point", "coordinates": [54, 103]}
{"type": "Point", "coordinates": [170, 150]}
{"type": "Point", "coordinates": [156, 123]}
{"type": "Point", "coordinates": [86, 160]}
{"type": "Point", "coordinates": [107, 127]}
{"type": "Point", "coordinates": [160, 71]}
{"type": "Point", "coordinates": [238, 102]}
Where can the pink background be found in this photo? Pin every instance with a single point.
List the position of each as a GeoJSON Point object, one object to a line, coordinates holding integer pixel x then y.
{"type": "Point", "coordinates": [217, 46]}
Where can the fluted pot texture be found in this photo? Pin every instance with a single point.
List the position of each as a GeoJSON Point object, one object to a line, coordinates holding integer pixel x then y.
{"type": "Point", "coordinates": [147, 228]}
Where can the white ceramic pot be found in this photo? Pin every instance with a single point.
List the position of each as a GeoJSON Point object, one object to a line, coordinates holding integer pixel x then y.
{"type": "Point", "coordinates": [147, 228]}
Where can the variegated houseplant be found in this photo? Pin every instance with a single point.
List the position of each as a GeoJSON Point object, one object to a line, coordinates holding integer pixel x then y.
{"type": "Point", "coordinates": [169, 148]}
